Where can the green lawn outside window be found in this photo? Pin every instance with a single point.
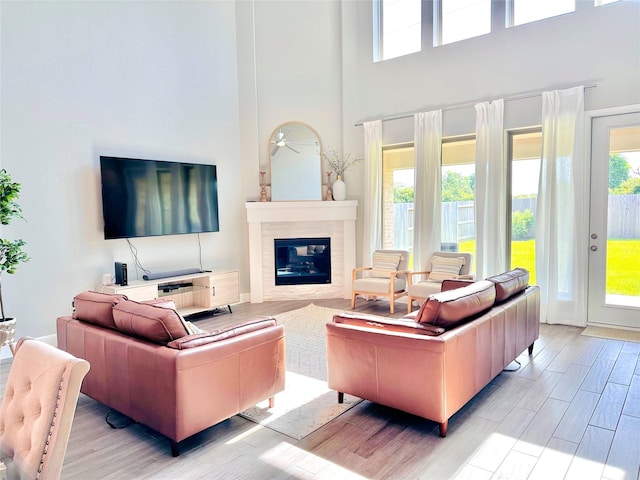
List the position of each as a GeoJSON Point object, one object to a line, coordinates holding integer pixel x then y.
{"type": "Point", "coordinates": [622, 278]}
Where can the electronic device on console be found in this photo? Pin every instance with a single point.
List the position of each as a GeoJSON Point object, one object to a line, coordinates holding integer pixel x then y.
{"type": "Point", "coordinates": [121, 274]}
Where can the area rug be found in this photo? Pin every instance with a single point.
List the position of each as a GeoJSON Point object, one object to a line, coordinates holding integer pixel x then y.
{"type": "Point", "coordinates": [306, 404]}
{"type": "Point", "coordinates": [612, 333]}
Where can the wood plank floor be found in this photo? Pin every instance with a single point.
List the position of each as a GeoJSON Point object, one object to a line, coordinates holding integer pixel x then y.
{"type": "Point", "coordinates": [572, 411]}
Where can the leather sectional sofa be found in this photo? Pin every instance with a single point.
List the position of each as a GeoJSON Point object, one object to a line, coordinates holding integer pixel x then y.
{"type": "Point", "coordinates": [431, 362]}
{"type": "Point", "coordinates": [147, 363]}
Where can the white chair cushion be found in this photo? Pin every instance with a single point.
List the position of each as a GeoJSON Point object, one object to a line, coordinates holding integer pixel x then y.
{"type": "Point", "coordinates": [424, 289]}
{"type": "Point", "coordinates": [384, 263]}
{"type": "Point", "coordinates": [443, 268]}
{"type": "Point", "coordinates": [378, 285]}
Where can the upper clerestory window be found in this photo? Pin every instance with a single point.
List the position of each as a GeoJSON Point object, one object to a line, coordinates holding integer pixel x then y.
{"type": "Point", "coordinates": [397, 29]}
{"type": "Point", "coordinates": [456, 20]}
{"type": "Point", "coordinates": [520, 12]}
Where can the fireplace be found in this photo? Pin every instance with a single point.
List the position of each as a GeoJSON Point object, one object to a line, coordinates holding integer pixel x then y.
{"type": "Point", "coordinates": [268, 221]}
{"type": "Point", "coordinates": [302, 261]}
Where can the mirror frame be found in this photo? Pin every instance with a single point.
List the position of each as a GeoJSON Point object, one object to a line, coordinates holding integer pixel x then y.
{"type": "Point", "coordinates": [292, 181]}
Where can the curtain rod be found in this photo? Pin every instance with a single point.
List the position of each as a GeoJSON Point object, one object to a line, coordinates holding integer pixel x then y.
{"type": "Point", "coordinates": [518, 96]}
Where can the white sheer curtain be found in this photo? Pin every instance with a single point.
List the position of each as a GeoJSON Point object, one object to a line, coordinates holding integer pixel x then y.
{"type": "Point", "coordinates": [562, 216]}
{"type": "Point", "coordinates": [490, 188]}
{"type": "Point", "coordinates": [427, 128]}
{"type": "Point", "coordinates": [372, 233]}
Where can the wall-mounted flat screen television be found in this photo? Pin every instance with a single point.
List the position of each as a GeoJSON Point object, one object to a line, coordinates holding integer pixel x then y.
{"type": "Point", "coordinates": [142, 198]}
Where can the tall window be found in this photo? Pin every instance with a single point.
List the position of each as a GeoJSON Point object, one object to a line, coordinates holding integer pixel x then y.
{"type": "Point", "coordinates": [397, 198]}
{"type": "Point", "coordinates": [526, 11]}
{"type": "Point", "coordinates": [457, 20]}
{"type": "Point", "coordinates": [525, 149]}
{"type": "Point", "coordinates": [458, 197]}
{"type": "Point", "coordinates": [397, 29]}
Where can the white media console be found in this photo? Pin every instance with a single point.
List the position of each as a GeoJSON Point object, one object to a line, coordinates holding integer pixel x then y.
{"type": "Point", "coordinates": [192, 293]}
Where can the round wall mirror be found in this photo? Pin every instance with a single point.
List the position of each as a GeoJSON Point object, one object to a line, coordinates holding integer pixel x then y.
{"type": "Point", "coordinates": [296, 167]}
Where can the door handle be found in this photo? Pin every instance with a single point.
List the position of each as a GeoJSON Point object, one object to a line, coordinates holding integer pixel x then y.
{"type": "Point", "coordinates": [594, 248]}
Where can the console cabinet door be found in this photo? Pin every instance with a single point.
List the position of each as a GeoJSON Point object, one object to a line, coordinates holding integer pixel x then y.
{"type": "Point", "coordinates": [225, 288]}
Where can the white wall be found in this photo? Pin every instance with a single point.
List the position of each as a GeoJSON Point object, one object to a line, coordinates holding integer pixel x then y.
{"type": "Point", "coordinates": [289, 59]}
{"type": "Point", "coordinates": [80, 79]}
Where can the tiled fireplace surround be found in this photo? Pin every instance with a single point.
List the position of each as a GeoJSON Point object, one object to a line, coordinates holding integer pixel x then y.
{"type": "Point", "coordinates": [270, 220]}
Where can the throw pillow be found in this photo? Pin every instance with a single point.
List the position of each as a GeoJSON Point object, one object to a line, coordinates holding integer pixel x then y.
{"type": "Point", "coordinates": [149, 322]}
{"type": "Point", "coordinates": [443, 268]}
{"type": "Point", "coordinates": [95, 307]}
{"type": "Point", "coordinates": [510, 283]}
{"type": "Point", "coordinates": [455, 307]}
{"type": "Point", "coordinates": [169, 303]}
{"type": "Point", "coordinates": [384, 263]}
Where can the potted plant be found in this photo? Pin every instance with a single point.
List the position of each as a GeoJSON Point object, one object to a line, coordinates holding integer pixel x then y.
{"type": "Point", "coordinates": [11, 251]}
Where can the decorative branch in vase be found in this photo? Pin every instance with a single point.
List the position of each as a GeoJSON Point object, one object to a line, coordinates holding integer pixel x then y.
{"type": "Point", "coordinates": [339, 164]}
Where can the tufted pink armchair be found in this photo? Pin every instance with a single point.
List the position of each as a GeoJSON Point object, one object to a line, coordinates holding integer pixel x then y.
{"type": "Point", "coordinates": [37, 410]}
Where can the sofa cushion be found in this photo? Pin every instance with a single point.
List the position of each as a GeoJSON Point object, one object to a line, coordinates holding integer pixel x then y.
{"type": "Point", "coordinates": [454, 307]}
{"type": "Point", "coordinates": [384, 263]}
{"type": "Point", "coordinates": [445, 267]}
{"type": "Point", "coordinates": [149, 322]}
{"type": "Point", "coordinates": [96, 308]}
{"type": "Point", "coordinates": [510, 283]}
{"type": "Point", "coordinates": [204, 338]}
{"type": "Point", "coordinates": [165, 302]}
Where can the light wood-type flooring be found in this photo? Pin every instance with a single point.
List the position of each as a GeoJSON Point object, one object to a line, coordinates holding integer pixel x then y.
{"type": "Point", "coordinates": [572, 411]}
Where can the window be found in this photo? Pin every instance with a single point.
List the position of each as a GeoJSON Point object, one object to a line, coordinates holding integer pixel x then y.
{"type": "Point", "coordinates": [599, 3]}
{"type": "Point", "coordinates": [458, 196]}
{"type": "Point", "coordinates": [397, 28]}
{"type": "Point", "coordinates": [526, 11]}
{"type": "Point", "coordinates": [397, 198]}
{"type": "Point", "coordinates": [525, 150]}
{"type": "Point", "coordinates": [461, 19]}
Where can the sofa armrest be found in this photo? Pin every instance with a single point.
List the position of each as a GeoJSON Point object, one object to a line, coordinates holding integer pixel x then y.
{"type": "Point", "coordinates": [357, 270]}
{"type": "Point", "coordinates": [386, 324]}
{"type": "Point", "coordinates": [199, 339]}
{"type": "Point", "coordinates": [411, 275]}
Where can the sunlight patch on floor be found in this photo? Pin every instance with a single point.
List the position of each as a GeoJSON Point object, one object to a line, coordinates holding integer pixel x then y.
{"type": "Point", "coordinates": [306, 462]}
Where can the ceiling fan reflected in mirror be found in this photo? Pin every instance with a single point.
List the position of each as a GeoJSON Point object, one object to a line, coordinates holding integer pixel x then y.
{"type": "Point", "coordinates": [278, 141]}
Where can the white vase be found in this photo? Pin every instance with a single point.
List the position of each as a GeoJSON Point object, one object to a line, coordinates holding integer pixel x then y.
{"type": "Point", "coordinates": [339, 189]}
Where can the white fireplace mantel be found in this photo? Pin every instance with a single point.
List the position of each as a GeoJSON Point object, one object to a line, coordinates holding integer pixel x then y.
{"type": "Point", "coordinates": [336, 220]}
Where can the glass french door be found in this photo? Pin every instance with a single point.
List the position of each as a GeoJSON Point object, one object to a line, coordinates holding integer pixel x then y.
{"type": "Point", "coordinates": [614, 257]}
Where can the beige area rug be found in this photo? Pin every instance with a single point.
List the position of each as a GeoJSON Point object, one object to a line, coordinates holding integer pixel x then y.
{"type": "Point", "coordinates": [612, 333]}
{"type": "Point", "coordinates": [306, 404]}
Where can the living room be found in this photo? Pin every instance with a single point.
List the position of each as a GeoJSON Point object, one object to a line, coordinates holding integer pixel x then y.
{"type": "Point", "coordinates": [209, 82]}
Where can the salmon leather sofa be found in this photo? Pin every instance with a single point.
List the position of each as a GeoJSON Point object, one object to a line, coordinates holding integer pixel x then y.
{"type": "Point", "coordinates": [148, 364]}
{"type": "Point", "coordinates": [431, 362]}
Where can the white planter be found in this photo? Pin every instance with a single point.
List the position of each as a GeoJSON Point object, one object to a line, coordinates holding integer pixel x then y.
{"type": "Point", "coordinates": [7, 333]}
{"type": "Point", "coordinates": [339, 189]}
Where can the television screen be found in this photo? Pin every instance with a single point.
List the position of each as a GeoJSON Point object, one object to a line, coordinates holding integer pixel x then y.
{"type": "Point", "coordinates": [143, 198]}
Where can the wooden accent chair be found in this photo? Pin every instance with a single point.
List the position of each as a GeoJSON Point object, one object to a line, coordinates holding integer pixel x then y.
{"type": "Point", "coordinates": [387, 277]}
{"type": "Point", "coordinates": [441, 266]}
{"type": "Point", "coordinates": [37, 410]}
